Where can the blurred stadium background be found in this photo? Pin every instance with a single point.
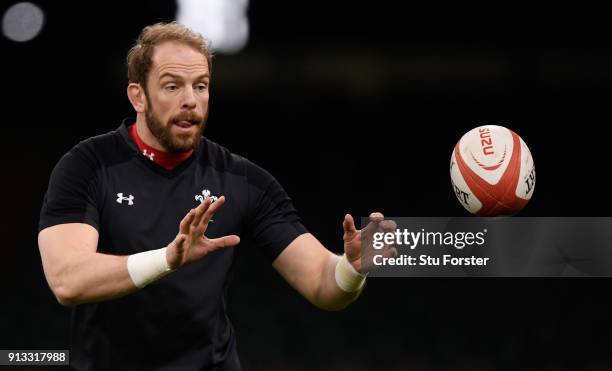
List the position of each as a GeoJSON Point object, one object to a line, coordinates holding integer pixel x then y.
{"type": "Point", "coordinates": [353, 108]}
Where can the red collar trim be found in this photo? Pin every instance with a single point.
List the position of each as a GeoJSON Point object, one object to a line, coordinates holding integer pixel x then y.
{"type": "Point", "coordinates": [164, 159]}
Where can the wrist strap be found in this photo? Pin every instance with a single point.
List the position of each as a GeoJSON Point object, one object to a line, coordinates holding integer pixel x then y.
{"type": "Point", "coordinates": [148, 266]}
{"type": "Point", "coordinates": [347, 278]}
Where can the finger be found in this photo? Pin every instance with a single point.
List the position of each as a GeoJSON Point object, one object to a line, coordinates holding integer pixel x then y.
{"type": "Point", "coordinates": [390, 253]}
{"type": "Point", "coordinates": [387, 225]}
{"type": "Point", "coordinates": [223, 242]}
{"type": "Point", "coordinates": [374, 218]}
{"type": "Point", "coordinates": [349, 223]}
{"type": "Point", "coordinates": [187, 220]}
{"type": "Point", "coordinates": [199, 211]}
{"type": "Point", "coordinates": [208, 214]}
{"type": "Point", "coordinates": [349, 226]}
{"type": "Point", "coordinates": [352, 249]}
{"type": "Point", "coordinates": [180, 241]}
{"type": "Point", "coordinates": [175, 254]}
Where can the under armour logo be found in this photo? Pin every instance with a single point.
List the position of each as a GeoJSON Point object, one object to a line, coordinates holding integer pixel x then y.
{"type": "Point", "coordinates": [120, 199]}
{"type": "Point", "coordinates": [150, 155]}
{"type": "Point", "coordinates": [205, 194]}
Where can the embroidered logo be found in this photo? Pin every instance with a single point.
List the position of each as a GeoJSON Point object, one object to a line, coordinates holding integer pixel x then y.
{"type": "Point", "coordinates": [150, 155]}
{"type": "Point", "coordinates": [129, 199]}
{"type": "Point", "coordinates": [205, 194]}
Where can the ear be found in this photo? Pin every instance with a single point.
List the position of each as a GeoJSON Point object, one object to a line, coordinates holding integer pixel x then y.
{"type": "Point", "coordinates": [136, 95]}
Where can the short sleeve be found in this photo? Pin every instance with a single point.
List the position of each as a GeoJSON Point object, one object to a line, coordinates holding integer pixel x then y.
{"type": "Point", "coordinates": [273, 221]}
{"type": "Point", "coordinates": [72, 192]}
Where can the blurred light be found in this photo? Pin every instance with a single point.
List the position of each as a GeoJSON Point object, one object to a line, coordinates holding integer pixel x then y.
{"type": "Point", "coordinates": [22, 22]}
{"type": "Point", "coordinates": [223, 22]}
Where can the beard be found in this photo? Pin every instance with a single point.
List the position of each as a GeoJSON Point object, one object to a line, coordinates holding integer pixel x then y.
{"type": "Point", "coordinates": [173, 142]}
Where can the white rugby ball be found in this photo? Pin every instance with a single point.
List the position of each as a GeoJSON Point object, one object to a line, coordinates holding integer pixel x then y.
{"type": "Point", "coordinates": [492, 171]}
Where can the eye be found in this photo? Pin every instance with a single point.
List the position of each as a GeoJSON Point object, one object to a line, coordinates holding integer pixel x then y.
{"type": "Point", "coordinates": [171, 87]}
{"type": "Point", "coordinates": [201, 87]}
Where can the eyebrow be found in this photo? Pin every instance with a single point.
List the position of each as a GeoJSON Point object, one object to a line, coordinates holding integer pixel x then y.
{"type": "Point", "coordinates": [177, 77]}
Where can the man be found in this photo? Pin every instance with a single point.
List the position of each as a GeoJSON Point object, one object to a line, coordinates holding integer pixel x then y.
{"type": "Point", "coordinates": [115, 202]}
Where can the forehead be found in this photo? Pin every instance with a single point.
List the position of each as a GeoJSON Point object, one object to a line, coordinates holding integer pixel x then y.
{"type": "Point", "coordinates": [178, 57]}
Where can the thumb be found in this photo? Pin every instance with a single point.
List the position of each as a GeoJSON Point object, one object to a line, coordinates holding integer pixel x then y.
{"type": "Point", "coordinates": [180, 243]}
{"type": "Point", "coordinates": [349, 226]}
{"type": "Point", "coordinates": [176, 251]}
{"type": "Point", "coordinates": [222, 242]}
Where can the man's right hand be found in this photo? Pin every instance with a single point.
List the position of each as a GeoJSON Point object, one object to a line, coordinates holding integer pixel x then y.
{"type": "Point", "coordinates": [190, 243]}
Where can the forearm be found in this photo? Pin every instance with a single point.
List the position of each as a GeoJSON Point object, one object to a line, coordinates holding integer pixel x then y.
{"type": "Point", "coordinates": [90, 277]}
{"type": "Point", "coordinates": [329, 295]}
{"type": "Point", "coordinates": [310, 268]}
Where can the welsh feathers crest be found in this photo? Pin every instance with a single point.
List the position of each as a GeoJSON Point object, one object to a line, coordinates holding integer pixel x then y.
{"type": "Point", "coordinates": [205, 194]}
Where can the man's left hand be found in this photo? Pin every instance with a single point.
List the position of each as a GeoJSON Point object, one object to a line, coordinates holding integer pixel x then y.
{"type": "Point", "coordinates": [358, 244]}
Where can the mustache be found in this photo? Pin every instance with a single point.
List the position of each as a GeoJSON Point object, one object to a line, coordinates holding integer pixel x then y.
{"type": "Point", "coordinates": [189, 116]}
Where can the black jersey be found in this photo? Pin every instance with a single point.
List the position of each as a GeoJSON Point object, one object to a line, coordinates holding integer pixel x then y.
{"type": "Point", "coordinates": [178, 322]}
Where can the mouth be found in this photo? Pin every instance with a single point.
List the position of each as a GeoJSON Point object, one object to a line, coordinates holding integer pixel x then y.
{"type": "Point", "coordinates": [185, 124]}
{"type": "Point", "coordinates": [185, 127]}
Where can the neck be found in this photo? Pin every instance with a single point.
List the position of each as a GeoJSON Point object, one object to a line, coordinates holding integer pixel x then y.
{"type": "Point", "coordinates": [145, 134]}
{"type": "Point", "coordinates": [166, 160]}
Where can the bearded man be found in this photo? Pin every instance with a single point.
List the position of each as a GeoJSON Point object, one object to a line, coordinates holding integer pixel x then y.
{"type": "Point", "coordinates": [139, 226]}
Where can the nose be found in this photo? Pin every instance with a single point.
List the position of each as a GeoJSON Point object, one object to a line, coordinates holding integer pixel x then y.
{"type": "Point", "coordinates": [189, 99]}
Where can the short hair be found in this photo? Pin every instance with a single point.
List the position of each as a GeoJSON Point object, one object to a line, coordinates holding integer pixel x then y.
{"type": "Point", "coordinates": [139, 58]}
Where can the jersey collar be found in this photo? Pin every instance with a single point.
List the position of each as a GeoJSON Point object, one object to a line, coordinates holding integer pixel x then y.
{"type": "Point", "coordinates": [164, 159]}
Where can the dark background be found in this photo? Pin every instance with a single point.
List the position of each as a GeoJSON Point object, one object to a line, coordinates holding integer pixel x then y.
{"type": "Point", "coordinates": [353, 108]}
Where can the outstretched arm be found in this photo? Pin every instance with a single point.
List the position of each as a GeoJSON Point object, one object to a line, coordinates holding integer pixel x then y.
{"type": "Point", "coordinates": [311, 269]}
{"type": "Point", "coordinates": [77, 274]}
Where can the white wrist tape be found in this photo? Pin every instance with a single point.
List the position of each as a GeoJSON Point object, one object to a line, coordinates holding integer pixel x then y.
{"type": "Point", "coordinates": [148, 266]}
{"type": "Point", "coordinates": [347, 278]}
